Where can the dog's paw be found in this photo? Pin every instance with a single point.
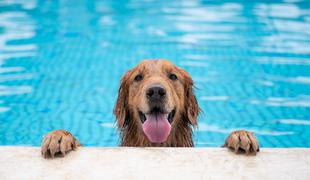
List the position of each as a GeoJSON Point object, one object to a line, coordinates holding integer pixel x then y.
{"type": "Point", "coordinates": [242, 141]}
{"type": "Point", "coordinates": [58, 142]}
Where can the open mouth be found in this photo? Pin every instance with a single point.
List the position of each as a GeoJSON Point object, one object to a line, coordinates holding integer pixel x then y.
{"type": "Point", "coordinates": [155, 111]}
{"type": "Point", "coordinates": [156, 124]}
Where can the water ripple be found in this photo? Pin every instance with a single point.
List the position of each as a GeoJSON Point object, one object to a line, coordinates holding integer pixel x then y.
{"type": "Point", "coordinates": [294, 121]}
{"type": "Point", "coordinates": [217, 129]}
{"type": "Point", "coordinates": [302, 101]}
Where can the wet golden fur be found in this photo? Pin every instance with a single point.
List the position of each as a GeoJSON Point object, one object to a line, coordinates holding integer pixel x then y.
{"type": "Point", "coordinates": [131, 99]}
{"type": "Point", "coordinates": [180, 95]}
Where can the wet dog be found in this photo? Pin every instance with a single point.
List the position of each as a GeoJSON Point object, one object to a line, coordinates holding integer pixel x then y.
{"type": "Point", "coordinates": [156, 107]}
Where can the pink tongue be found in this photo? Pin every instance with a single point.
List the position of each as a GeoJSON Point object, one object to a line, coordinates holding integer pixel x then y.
{"type": "Point", "coordinates": [156, 127]}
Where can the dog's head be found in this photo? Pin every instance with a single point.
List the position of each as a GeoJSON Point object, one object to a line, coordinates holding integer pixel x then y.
{"type": "Point", "coordinates": [156, 95]}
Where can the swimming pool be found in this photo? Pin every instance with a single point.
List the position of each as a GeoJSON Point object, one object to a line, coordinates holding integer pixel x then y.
{"type": "Point", "coordinates": [61, 62]}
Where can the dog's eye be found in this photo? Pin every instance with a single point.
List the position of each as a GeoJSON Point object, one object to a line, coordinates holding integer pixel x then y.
{"type": "Point", "coordinates": [139, 77]}
{"type": "Point", "coordinates": [173, 77]}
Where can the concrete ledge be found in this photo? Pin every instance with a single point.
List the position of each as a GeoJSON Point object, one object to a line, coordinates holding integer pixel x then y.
{"type": "Point", "coordinates": [155, 163]}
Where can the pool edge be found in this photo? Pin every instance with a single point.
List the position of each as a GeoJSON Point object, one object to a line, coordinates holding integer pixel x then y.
{"type": "Point", "coordinates": [18, 162]}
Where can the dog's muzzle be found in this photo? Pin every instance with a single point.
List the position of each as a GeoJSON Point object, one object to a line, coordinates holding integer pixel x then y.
{"type": "Point", "coordinates": [156, 123]}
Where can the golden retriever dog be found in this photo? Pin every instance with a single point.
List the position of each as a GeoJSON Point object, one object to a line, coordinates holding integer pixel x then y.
{"type": "Point", "coordinates": [155, 107]}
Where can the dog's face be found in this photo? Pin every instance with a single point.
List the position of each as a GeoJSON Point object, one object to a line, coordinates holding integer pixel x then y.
{"type": "Point", "coordinates": [155, 96]}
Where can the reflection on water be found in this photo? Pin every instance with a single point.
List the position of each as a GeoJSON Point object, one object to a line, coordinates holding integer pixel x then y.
{"type": "Point", "coordinates": [284, 60]}
{"type": "Point", "coordinates": [292, 32]}
{"type": "Point", "coordinates": [60, 65]}
{"type": "Point", "coordinates": [294, 121]}
{"type": "Point", "coordinates": [15, 26]}
{"type": "Point", "coordinates": [302, 101]}
{"type": "Point", "coordinates": [216, 129]}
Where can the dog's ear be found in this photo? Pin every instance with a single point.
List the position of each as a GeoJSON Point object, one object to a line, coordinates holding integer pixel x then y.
{"type": "Point", "coordinates": [192, 108]}
{"type": "Point", "coordinates": [120, 108]}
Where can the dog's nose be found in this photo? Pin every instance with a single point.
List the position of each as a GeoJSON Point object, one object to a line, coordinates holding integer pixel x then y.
{"type": "Point", "coordinates": [156, 92]}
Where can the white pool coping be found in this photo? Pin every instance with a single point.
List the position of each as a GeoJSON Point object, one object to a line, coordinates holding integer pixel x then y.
{"type": "Point", "coordinates": [18, 162]}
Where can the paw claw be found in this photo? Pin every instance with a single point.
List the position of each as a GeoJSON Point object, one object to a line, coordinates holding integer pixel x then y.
{"type": "Point", "coordinates": [58, 142]}
{"type": "Point", "coordinates": [242, 141]}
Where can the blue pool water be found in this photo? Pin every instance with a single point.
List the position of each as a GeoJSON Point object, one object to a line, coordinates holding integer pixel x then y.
{"type": "Point", "coordinates": [61, 61]}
